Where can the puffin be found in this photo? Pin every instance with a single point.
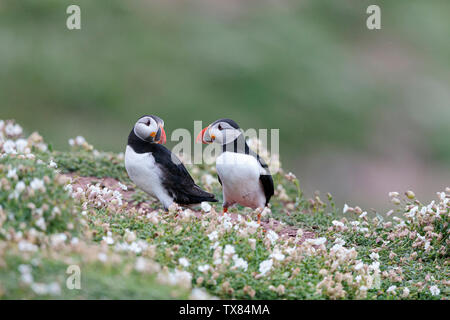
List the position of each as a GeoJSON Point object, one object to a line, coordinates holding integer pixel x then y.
{"type": "Point", "coordinates": [156, 170]}
{"type": "Point", "coordinates": [243, 174]}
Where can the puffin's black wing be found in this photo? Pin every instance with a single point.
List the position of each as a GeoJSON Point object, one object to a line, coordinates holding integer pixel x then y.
{"type": "Point", "coordinates": [177, 180]}
{"type": "Point", "coordinates": [266, 180]}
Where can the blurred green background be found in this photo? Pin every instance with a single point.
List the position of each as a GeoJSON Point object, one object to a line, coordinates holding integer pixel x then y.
{"type": "Point", "coordinates": [360, 112]}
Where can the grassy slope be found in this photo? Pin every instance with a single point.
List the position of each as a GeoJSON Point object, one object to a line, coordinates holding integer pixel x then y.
{"type": "Point", "coordinates": [143, 260]}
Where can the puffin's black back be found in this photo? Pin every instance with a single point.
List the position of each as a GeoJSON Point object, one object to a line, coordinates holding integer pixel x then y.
{"type": "Point", "coordinates": [176, 179]}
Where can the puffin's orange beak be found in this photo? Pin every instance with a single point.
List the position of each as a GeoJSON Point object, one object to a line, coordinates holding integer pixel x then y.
{"type": "Point", "coordinates": [162, 140]}
{"type": "Point", "coordinates": [201, 136]}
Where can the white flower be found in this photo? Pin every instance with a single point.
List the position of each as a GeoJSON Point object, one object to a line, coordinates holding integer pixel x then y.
{"type": "Point", "coordinates": [54, 288]}
{"type": "Point", "coordinates": [405, 292]}
{"type": "Point", "coordinates": [27, 278]}
{"type": "Point", "coordinates": [265, 266]}
{"type": "Point", "coordinates": [375, 266]}
{"type": "Point", "coordinates": [80, 140]}
{"type": "Point", "coordinates": [177, 277]}
{"type": "Point", "coordinates": [20, 186]}
{"type": "Point", "coordinates": [374, 256]}
{"type": "Point", "coordinates": [317, 241]}
{"type": "Point", "coordinates": [206, 207]}
{"type": "Point", "coordinates": [214, 245]}
{"type": "Point", "coordinates": [53, 164]}
{"type": "Point", "coordinates": [229, 250]}
{"type": "Point", "coordinates": [203, 268]}
{"type": "Point", "coordinates": [277, 255]}
{"type": "Point", "coordinates": [13, 130]}
{"type": "Point", "coordinates": [435, 291]}
{"type": "Point", "coordinates": [184, 262]}
{"type": "Point", "coordinates": [213, 236]}
{"type": "Point", "coordinates": [252, 243]}
{"type": "Point", "coordinates": [24, 268]}
{"type": "Point", "coordinates": [41, 223]}
{"type": "Point", "coordinates": [240, 263]}
{"type": "Point", "coordinates": [272, 236]}
{"type": "Point", "coordinates": [123, 187]}
{"type": "Point", "coordinates": [391, 289]}
{"type": "Point", "coordinates": [9, 146]}
{"type": "Point", "coordinates": [102, 257]}
{"type": "Point", "coordinates": [252, 224]}
{"type": "Point", "coordinates": [346, 208]}
{"type": "Point", "coordinates": [58, 238]}
{"type": "Point", "coordinates": [108, 239]}
{"type": "Point", "coordinates": [21, 145]}
{"type": "Point", "coordinates": [359, 266]}
{"type": "Point", "coordinates": [12, 173]}
{"type": "Point", "coordinates": [337, 223]}
{"type": "Point", "coordinates": [266, 211]}
{"type": "Point", "coordinates": [290, 250]}
{"type": "Point", "coordinates": [26, 246]}
{"type": "Point", "coordinates": [339, 241]}
{"type": "Point", "coordinates": [199, 294]}
{"type": "Point", "coordinates": [37, 184]}
{"type": "Point", "coordinates": [362, 215]}
{"type": "Point", "coordinates": [209, 179]}
{"type": "Point", "coordinates": [393, 194]}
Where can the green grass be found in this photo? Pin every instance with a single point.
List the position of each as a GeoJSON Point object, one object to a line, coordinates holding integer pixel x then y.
{"type": "Point", "coordinates": [127, 252]}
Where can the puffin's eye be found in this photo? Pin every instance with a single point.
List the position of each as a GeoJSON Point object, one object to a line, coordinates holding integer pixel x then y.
{"type": "Point", "coordinates": [220, 127]}
{"type": "Point", "coordinates": [148, 122]}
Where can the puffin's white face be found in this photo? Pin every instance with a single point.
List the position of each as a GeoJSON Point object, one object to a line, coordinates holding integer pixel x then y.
{"type": "Point", "coordinates": [221, 132]}
{"type": "Point", "coordinates": [151, 129]}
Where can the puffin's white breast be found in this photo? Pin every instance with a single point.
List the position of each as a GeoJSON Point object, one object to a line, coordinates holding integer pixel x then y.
{"type": "Point", "coordinates": [240, 174]}
{"type": "Point", "coordinates": [143, 171]}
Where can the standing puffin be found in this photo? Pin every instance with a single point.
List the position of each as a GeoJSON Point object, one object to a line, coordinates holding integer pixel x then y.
{"type": "Point", "coordinates": [156, 170]}
{"type": "Point", "coordinates": [243, 174]}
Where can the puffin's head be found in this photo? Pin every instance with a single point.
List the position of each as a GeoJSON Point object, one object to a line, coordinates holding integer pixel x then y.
{"type": "Point", "coordinates": [150, 129]}
{"type": "Point", "coordinates": [222, 131]}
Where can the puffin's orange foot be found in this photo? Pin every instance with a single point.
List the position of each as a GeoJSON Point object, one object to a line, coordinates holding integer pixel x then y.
{"type": "Point", "coordinates": [225, 210]}
{"type": "Point", "coordinates": [259, 218]}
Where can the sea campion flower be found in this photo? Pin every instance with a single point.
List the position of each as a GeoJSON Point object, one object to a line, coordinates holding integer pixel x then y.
{"type": "Point", "coordinates": [37, 184]}
{"type": "Point", "coordinates": [391, 289]}
{"type": "Point", "coordinates": [374, 256]}
{"type": "Point", "coordinates": [229, 250]}
{"type": "Point", "coordinates": [206, 207]}
{"type": "Point", "coordinates": [184, 262]}
{"type": "Point", "coordinates": [346, 208]}
{"type": "Point", "coordinates": [265, 266]}
{"type": "Point", "coordinates": [203, 268]}
{"type": "Point", "coordinates": [405, 293]}
{"type": "Point", "coordinates": [435, 291]}
{"type": "Point", "coordinates": [272, 236]}
{"type": "Point", "coordinates": [213, 236]}
{"type": "Point", "coordinates": [9, 147]}
{"type": "Point", "coordinates": [316, 241]}
{"type": "Point", "coordinates": [277, 255]}
{"type": "Point", "coordinates": [240, 263]}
